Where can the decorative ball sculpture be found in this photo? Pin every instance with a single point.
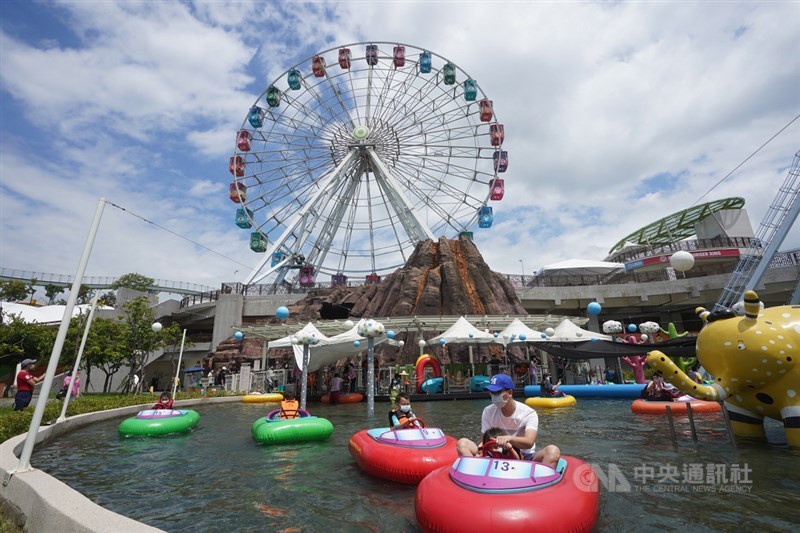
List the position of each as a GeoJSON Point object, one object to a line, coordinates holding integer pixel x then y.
{"type": "Point", "coordinates": [156, 327]}
{"type": "Point", "coordinates": [356, 344]}
{"type": "Point", "coordinates": [306, 337]}
{"type": "Point", "coordinates": [544, 335]}
{"type": "Point", "coordinates": [594, 339]}
{"type": "Point", "coordinates": [390, 334]}
{"type": "Point", "coordinates": [421, 343]}
{"type": "Point", "coordinates": [238, 335]}
{"type": "Point", "coordinates": [442, 342]}
{"type": "Point", "coordinates": [644, 336]}
{"type": "Point", "coordinates": [348, 324]}
{"type": "Point", "coordinates": [401, 343]}
{"type": "Point", "coordinates": [549, 332]}
{"type": "Point", "coordinates": [594, 308]}
{"type": "Point", "coordinates": [632, 328]}
{"type": "Point", "coordinates": [282, 313]}
{"type": "Point", "coordinates": [371, 328]}
{"type": "Point", "coordinates": [496, 334]}
{"type": "Point", "coordinates": [471, 335]}
{"type": "Point", "coordinates": [681, 261]}
{"type": "Point", "coordinates": [522, 336]}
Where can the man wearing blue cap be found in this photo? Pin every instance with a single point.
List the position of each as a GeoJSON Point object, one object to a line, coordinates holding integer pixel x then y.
{"type": "Point", "coordinates": [519, 422]}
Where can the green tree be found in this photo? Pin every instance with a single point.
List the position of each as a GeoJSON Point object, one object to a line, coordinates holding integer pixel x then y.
{"type": "Point", "coordinates": [51, 291]}
{"type": "Point", "coordinates": [140, 339]}
{"type": "Point", "coordinates": [84, 294]}
{"type": "Point", "coordinates": [108, 299]}
{"type": "Point", "coordinates": [134, 281]}
{"type": "Point", "coordinates": [31, 288]}
{"type": "Point", "coordinates": [22, 340]}
{"type": "Point", "coordinates": [13, 290]}
{"type": "Point", "coordinates": [106, 349]}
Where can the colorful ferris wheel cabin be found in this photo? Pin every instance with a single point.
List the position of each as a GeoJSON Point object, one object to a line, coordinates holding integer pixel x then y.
{"type": "Point", "coordinates": [470, 90]}
{"type": "Point", "coordinates": [237, 192]}
{"type": "Point", "coordinates": [399, 56]}
{"type": "Point", "coordinates": [345, 56]}
{"type": "Point", "coordinates": [306, 276]}
{"type": "Point", "coordinates": [449, 74]}
{"type": "Point", "coordinates": [243, 216]}
{"type": "Point", "coordinates": [372, 279]}
{"type": "Point", "coordinates": [486, 110]}
{"type": "Point", "coordinates": [256, 117]}
{"type": "Point", "coordinates": [497, 134]}
{"type": "Point", "coordinates": [425, 62]}
{"type": "Point", "coordinates": [258, 242]}
{"type": "Point", "coordinates": [236, 166]}
{"type": "Point", "coordinates": [497, 189]}
{"type": "Point", "coordinates": [318, 66]}
{"type": "Point", "coordinates": [277, 257]}
{"type": "Point", "coordinates": [294, 80]}
{"type": "Point", "coordinates": [244, 140]}
{"type": "Point", "coordinates": [338, 280]}
{"type": "Point", "coordinates": [500, 158]}
{"type": "Point", "coordinates": [485, 216]}
{"type": "Point", "coordinates": [372, 54]}
{"type": "Point", "coordinates": [273, 96]}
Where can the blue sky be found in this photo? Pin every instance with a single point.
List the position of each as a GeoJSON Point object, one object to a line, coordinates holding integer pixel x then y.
{"type": "Point", "coordinates": [616, 115]}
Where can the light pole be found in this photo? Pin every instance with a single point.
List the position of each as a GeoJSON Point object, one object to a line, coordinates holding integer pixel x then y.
{"type": "Point", "coordinates": [371, 329]}
{"type": "Point", "coordinates": [156, 327]}
{"type": "Point", "coordinates": [522, 264]}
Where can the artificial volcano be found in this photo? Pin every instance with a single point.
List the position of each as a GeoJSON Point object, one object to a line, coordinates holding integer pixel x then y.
{"type": "Point", "coordinates": [447, 277]}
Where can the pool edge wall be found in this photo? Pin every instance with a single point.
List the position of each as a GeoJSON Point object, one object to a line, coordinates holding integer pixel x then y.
{"type": "Point", "coordinates": [36, 501]}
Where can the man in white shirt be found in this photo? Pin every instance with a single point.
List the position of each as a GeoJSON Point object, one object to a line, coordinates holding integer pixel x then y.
{"type": "Point", "coordinates": [519, 422]}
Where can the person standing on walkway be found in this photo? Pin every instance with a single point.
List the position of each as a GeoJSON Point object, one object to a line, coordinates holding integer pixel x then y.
{"type": "Point", "coordinates": [25, 384]}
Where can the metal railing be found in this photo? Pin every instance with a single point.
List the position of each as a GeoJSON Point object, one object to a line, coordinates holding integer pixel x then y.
{"type": "Point", "coordinates": [99, 282]}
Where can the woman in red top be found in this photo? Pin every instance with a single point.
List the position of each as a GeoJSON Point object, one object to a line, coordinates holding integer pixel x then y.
{"type": "Point", "coordinates": [25, 383]}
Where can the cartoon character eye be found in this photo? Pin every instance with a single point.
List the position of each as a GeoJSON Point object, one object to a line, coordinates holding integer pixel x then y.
{"type": "Point", "coordinates": [741, 345]}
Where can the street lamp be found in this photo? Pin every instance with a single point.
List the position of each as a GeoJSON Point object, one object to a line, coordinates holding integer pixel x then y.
{"type": "Point", "coordinates": [156, 327]}
{"type": "Point", "coordinates": [523, 271]}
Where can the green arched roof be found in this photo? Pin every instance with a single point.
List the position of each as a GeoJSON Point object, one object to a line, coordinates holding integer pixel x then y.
{"type": "Point", "coordinates": [678, 225]}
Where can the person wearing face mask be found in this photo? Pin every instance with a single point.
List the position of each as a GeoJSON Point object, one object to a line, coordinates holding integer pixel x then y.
{"type": "Point", "coordinates": [518, 422]}
{"type": "Point", "coordinates": [401, 415]}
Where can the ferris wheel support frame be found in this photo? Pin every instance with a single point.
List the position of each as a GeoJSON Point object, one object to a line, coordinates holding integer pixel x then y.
{"type": "Point", "coordinates": [300, 220]}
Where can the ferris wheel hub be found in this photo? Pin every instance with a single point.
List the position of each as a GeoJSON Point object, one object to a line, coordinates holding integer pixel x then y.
{"type": "Point", "coordinates": [361, 132]}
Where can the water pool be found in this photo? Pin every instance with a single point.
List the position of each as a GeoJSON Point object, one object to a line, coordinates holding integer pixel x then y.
{"type": "Point", "coordinates": [218, 479]}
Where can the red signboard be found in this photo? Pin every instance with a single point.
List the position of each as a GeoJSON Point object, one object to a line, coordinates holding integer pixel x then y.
{"type": "Point", "coordinates": [699, 255]}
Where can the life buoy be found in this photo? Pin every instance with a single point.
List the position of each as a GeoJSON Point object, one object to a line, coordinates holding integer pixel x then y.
{"type": "Point", "coordinates": [350, 397]}
{"type": "Point", "coordinates": [423, 361]}
{"type": "Point", "coordinates": [551, 403]}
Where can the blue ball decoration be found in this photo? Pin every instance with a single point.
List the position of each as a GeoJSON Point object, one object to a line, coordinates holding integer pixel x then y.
{"type": "Point", "coordinates": [390, 334]}
{"type": "Point", "coordinates": [594, 308]}
{"type": "Point", "coordinates": [471, 334]}
{"type": "Point", "coordinates": [442, 341]}
{"type": "Point", "coordinates": [594, 339]}
{"type": "Point", "coordinates": [238, 335]}
{"type": "Point", "coordinates": [496, 334]}
{"type": "Point", "coordinates": [282, 313]}
{"type": "Point", "coordinates": [544, 335]}
{"type": "Point", "coordinates": [522, 336]}
{"type": "Point", "coordinates": [356, 344]}
{"type": "Point", "coordinates": [632, 328]}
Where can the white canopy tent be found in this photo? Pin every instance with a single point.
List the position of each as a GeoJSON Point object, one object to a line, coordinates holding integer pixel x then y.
{"type": "Point", "coordinates": [463, 332]}
{"type": "Point", "coordinates": [568, 331]}
{"type": "Point", "coordinates": [580, 267]}
{"type": "Point", "coordinates": [329, 349]}
{"type": "Point", "coordinates": [516, 328]}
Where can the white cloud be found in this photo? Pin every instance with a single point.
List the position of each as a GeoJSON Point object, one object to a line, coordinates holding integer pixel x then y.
{"type": "Point", "coordinates": [142, 101]}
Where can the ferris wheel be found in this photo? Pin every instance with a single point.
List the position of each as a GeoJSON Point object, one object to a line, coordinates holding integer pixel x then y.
{"type": "Point", "coordinates": [356, 154]}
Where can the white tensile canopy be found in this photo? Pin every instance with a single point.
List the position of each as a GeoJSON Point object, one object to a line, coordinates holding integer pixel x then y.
{"type": "Point", "coordinates": [463, 332]}
{"type": "Point", "coordinates": [516, 328]}
{"type": "Point", "coordinates": [568, 331]}
{"type": "Point", "coordinates": [48, 314]}
{"type": "Point", "coordinates": [581, 267]}
{"type": "Point", "coordinates": [329, 349]}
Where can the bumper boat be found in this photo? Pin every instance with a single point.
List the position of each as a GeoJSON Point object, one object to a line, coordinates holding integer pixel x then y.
{"type": "Point", "coordinates": [350, 397]}
{"type": "Point", "coordinates": [551, 403]}
{"type": "Point", "coordinates": [402, 455]}
{"type": "Point", "coordinates": [270, 397]}
{"type": "Point", "coordinates": [272, 429]}
{"type": "Point", "coordinates": [508, 495]}
{"type": "Point", "coordinates": [678, 407]}
{"type": "Point", "coordinates": [158, 422]}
